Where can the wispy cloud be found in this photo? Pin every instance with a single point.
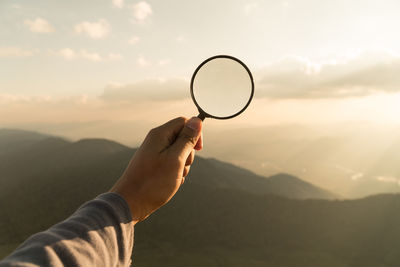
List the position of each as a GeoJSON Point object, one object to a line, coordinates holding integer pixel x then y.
{"type": "Point", "coordinates": [141, 11]}
{"type": "Point", "coordinates": [95, 30]}
{"type": "Point", "coordinates": [249, 8]}
{"type": "Point", "coordinates": [357, 176]}
{"type": "Point", "coordinates": [294, 77]}
{"type": "Point", "coordinates": [146, 90]}
{"type": "Point", "coordinates": [14, 51]}
{"type": "Point", "coordinates": [39, 25]}
{"type": "Point", "coordinates": [41, 99]}
{"type": "Point", "coordinates": [143, 62]}
{"type": "Point", "coordinates": [388, 179]}
{"type": "Point", "coordinates": [118, 3]}
{"type": "Point", "coordinates": [71, 54]}
{"type": "Point", "coordinates": [163, 62]}
{"type": "Point", "coordinates": [91, 56]}
{"type": "Point", "coordinates": [134, 40]}
{"type": "Point", "coordinates": [67, 53]}
{"type": "Point", "coordinates": [180, 39]}
{"type": "Point", "coordinates": [114, 56]}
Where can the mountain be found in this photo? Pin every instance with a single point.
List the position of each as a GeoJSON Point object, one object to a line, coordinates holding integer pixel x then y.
{"type": "Point", "coordinates": [51, 157]}
{"type": "Point", "coordinates": [11, 139]}
{"type": "Point", "coordinates": [218, 174]}
{"type": "Point", "coordinates": [351, 159]}
{"type": "Point", "coordinates": [206, 227]}
{"type": "Point", "coordinates": [222, 216]}
{"type": "Point", "coordinates": [50, 168]}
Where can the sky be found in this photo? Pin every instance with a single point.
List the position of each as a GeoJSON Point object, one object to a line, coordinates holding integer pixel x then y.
{"type": "Point", "coordinates": [115, 68]}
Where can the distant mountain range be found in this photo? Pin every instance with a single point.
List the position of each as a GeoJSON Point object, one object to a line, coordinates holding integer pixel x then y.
{"type": "Point", "coordinates": [44, 155]}
{"type": "Point", "coordinates": [351, 159]}
{"type": "Point", "coordinates": [222, 216]}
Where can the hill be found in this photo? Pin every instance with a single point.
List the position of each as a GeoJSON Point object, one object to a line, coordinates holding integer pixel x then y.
{"type": "Point", "coordinates": [352, 159]}
{"type": "Point", "coordinates": [52, 157]}
{"type": "Point", "coordinates": [11, 139]}
{"type": "Point", "coordinates": [205, 227]}
{"type": "Point", "coordinates": [218, 174]}
{"type": "Point", "coordinates": [222, 216]}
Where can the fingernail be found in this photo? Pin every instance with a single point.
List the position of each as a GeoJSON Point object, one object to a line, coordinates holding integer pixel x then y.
{"type": "Point", "coordinates": [194, 123]}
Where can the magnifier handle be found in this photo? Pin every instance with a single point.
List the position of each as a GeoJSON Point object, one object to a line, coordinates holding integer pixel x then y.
{"type": "Point", "coordinates": [201, 116]}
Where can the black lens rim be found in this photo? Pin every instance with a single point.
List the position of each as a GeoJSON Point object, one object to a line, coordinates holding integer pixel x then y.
{"type": "Point", "coordinates": [201, 111]}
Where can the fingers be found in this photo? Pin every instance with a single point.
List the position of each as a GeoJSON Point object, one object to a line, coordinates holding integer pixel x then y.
{"type": "Point", "coordinates": [175, 124]}
{"type": "Point", "coordinates": [186, 171]}
{"type": "Point", "coordinates": [164, 135]}
{"type": "Point", "coordinates": [190, 159]}
{"type": "Point", "coordinates": [187, 138]}
{"type": "Point", "coordinates": [199, 144]}
{"type": "Point", "coordinates": [172, 128]}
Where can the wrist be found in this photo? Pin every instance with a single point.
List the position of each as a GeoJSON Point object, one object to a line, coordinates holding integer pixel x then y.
{"type": "Point", "coordinates": [132, 205]}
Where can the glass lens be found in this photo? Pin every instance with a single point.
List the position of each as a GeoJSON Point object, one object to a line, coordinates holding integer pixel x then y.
{"type": "Point", "coordinates": [222, 87]}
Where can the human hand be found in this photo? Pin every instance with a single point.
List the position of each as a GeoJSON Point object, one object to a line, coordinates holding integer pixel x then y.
{"type": "Point", "coordinates": [159, 166]}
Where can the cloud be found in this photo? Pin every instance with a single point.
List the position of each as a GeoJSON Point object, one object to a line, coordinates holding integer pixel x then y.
{"type": "Point", "coordinates": [114, 56]}
{"type": "Point", "coordinates": [180, 39]}
{"type": "Point", "coordinates": [163, 62]}
{"type": "Point", "coordinates": [90, 56]}
{"type": "Point", "coordinates": [70, 54]}
{"type": "Point", "coordinates": [13, 51]}
{"type": "Point", "coordinates": [118, 3]}
{"type": "Point", "coordinates": [249, 8]}
{"type": "Point", "coordinates": [95, 30]}
{"type": "Point", "coordinates": [143, 62]}
{"type": "Point", "coordinates": [147, 90]}
{"type": "Point", "coordinates": [388, 179]}
{"type": "Point", "coordinates": [141, 11]}
{"type": "Point", "coordinates": [86, 115]}
{"type": "Point", "coordinates": [296, 78]}
{"type": "Point", "coordinates": [41, 99]}
{"type": "Point", "coordinates": [134, 40]}
{"type": "Point", "coordinates": [39, 25]}
{"type": "Point", "coordinates": [357, 176]}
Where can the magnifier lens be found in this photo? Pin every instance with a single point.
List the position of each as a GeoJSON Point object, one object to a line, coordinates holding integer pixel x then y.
{"type": "Point", "coordinates": [222, 87]}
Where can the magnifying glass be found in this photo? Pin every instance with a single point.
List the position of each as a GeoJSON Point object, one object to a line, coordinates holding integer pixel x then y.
{"type": "Point", "coordinates": [222, 87]}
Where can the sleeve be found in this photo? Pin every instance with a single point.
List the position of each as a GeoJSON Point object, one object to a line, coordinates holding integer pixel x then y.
{"type": "Point", "coordinates": [99, 233]}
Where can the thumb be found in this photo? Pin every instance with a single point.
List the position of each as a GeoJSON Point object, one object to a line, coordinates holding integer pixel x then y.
{"type": "Point", "coordinates": [187, 138]}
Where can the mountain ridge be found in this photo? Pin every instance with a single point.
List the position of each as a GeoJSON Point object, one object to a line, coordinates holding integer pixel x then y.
{"type": "Point", "coordinates": [62, 153]}
{"type": "Point", "coordinates": [221, 216]}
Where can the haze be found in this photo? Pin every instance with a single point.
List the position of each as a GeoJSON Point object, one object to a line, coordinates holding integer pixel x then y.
{"type": "Point", "coordinates": [324, 70]}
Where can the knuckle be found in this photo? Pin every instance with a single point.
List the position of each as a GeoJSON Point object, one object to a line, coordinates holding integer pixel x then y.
{"type": "Point", "coordinates": [177, 121]}
{"type": "Point", "coordinates": [181, 119]}
{"type": "Point", "coordinates": [175, 162]}
{"type": "Point", "coordinates": [153, 132]}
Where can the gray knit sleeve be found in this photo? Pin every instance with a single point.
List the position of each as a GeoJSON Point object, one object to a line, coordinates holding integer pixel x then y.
{"type": "Point", "coordinates": [99, 233]}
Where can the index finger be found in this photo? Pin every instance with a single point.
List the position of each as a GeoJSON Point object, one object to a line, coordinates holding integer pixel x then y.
{"type": "Point", "coordinates": [172, 128]}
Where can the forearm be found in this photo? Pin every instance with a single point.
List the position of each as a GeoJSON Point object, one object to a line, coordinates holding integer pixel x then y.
{"type": "Point", "coordinates": [99, 233]}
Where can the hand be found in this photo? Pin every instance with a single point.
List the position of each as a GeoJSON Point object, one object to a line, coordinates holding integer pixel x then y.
{"type": "Point", "coordinates": [159, 166]}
